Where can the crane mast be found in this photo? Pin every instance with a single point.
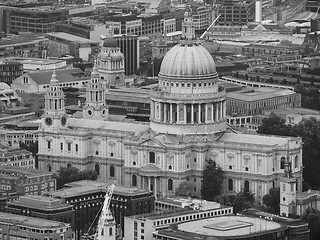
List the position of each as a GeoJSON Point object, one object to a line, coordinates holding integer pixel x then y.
{"type": "Point", "coordinates": [105, 213]}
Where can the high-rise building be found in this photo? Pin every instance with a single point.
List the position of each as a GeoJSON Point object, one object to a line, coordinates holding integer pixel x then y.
{"type": "Point", "coordinates": [129, 47]}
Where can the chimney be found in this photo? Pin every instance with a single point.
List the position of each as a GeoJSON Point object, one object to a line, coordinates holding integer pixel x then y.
{"type": "Point", "coordinates": [258, 11]}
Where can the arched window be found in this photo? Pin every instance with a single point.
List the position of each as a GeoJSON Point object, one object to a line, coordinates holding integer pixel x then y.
{"type": "Point", "coordinates": [61, 146]}
{"type": "Point", "coordinates": [97, 168]}
{"type": "Point", "coordinates": [152, 157]}
{"type": "Point", "coordinates": [110, 232]}
{"type": "Point", "coordinates": [69, 165]}
{"type": "Point", "coordinates": [134, 180]}
{"type": "Point", "coordinates": [170, 184]}
{"type": "Point", "coordinates": [49, 168]}
{"type": "Point", "coordinates": [282, 162]}
{"type": "Point", "coordinates": [230, 184]}
{"type": "Point", "coordinates": [296, 162]}
{"type": "Point", "coordinates": [170, 167]}
{"type": "Point", "coordinates": [246, 186]}
{"type": "Point", "coordinates": [111, 171]}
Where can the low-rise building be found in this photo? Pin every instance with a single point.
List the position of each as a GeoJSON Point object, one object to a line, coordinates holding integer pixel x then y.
{"type": "Point", "coordinates": [16, 157]}
{"type": "Point", "coordinates": [67, 44]}
{"type": "Point", "coordinates": [8, 97]}
{"type": "Point", "coordinates": [15, 226]}
{"type": "Point", "coordinates": [43, 207]}
{"type": "Point", "coordinates": [24, 45]}
{"type": "Point", "coordinates": [38, 81]}
{"type": "Point", "coordinates": [26, 181]}
{"type": "Point", "coordinates": [142, 226]}
{"type": "Point", "coordinates": [10, 70]}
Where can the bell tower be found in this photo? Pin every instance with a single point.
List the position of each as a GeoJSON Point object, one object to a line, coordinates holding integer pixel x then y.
{"type": "Point", "coordinates": [95, 106]}
{"type": "Point", "coordinates": [54, 117]}
{"type": "Point", "coordinates": [188, 30]}
{"type": "Point", "coordinates": [288, 191]}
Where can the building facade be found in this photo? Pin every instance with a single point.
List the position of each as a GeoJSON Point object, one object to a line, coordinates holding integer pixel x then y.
{"type": "Point", "coordinates": [22, 227]}
{"type": "Point", "coordinates": [187, 127]}
{"type": "Point", "coordinates": [10, 71]}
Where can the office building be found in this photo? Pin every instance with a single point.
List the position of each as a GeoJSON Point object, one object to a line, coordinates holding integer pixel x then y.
{"type": "Point", "coordinates": [129, 47]}
{"type": "Point", "coordinates": [16, 157]}
{"type": "Point", "coordinates": [22, 227]}
{"type": "Point", "coordinates": [10, 70]}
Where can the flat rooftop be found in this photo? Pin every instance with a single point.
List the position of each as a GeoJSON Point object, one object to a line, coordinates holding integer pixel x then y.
{"type": "Point", "coordinates": [8, 218]}
{"type": "Point", "coordinates": [229, 226]}
{"type": "Point", "coordinates": [21, 39]}
{"type": "Point", "coordinates": [86, 187]}
{"type": "Point", "coordinates": [71, 38]}
{"type": "Point", "coordinates": [256, 94]}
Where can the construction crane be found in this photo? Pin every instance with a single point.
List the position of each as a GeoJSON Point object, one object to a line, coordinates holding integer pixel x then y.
{"type": "Point", "coordinates": [105, 220]}
{"type": "Point", "coordinates": [105, 214]}
{"type": "Point", "coordinates": [214, 21]}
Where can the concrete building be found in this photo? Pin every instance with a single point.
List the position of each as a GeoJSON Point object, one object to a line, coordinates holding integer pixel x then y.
{"type": "Point", "coordinates": [23, 227]}
{"type": "Point", "coordinates": [24, 45]}
{"type": "Point", "coordinates": [157, 156]}
{"type": "Point", "coordinates": [36, 20]}
{"type": "Point", "coordinates": [129, 47]}
{"type": "Point", "coordinates": [142, 226]}
{"type": "Point", "coordinates": [8, 97]}
{"type": "Point", "coordinates": [38, 81]}
{"type": "Point", "coordinates": [235, 12]}
{"type": "Point", "coordinates": [10, 70]}
{"type": "Point", "coordinates": [44, 208]}
{"type": "Point", "coordinates": [67, 44]}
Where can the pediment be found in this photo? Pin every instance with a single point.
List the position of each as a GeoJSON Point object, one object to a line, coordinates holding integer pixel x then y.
{"type": "Point", "coordinates": [151, 142]}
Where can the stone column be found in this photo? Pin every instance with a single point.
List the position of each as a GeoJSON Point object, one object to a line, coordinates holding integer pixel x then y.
{"type": "Point", "coordinates": [206, 113]}
{"type": "Point", "coordinates": [185, 113]}
{"type": "Point", "coordinates": [149, 183]}
{"type": "Point", "coordinates": [142, 179]}
{"type": "Point", "coordinates": [225, 109]}
{"type": "Point", "coordinates": [192, 114]}
{"type": "Point", "coordinates": [152, 110]}
{"type": "Point", "coordinates": [165, 113]}
{"type": "Point", "coordinates": [178, 113]}
{"type": "Point", "coordinates": [217, 111]}
{"type": "Point", "coordinates": [199, 113]}
{"type": "Point", "coordinates": [155, 188]}
{"type": "Point", "coordinates": [171, 114]}
{"type": "Point", "coordinates": [160, 111]}
{"type": "Point", "coordinates": [221, 110]}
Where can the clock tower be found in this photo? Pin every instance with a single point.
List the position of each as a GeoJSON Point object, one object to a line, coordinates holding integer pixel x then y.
{"type": "Point", "coordinates": [95, 106]}
{"type": "Point", "coordinates": [54, 117]}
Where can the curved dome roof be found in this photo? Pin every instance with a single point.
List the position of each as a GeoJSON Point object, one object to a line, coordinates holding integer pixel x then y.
{"type": "Point", "coordinates": [187, 60]}
{"type": "Point", "coordinates": [110, 42]}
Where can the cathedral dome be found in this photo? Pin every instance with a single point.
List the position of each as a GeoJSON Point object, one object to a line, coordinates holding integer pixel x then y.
{"type": "Point", "coordinates": [110, 42]}
{"type": "Point", "coordinates": [188, 61]}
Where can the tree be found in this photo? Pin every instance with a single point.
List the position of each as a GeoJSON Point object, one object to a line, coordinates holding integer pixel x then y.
{"type": "Point", "coordinates": [72, 174]}
{"type": "Point", "coordinates": [274, 125]}
{"type": "Point", "coordinates": [185, 189]}
{"type": "Point", "coordinates": [32, 147]}
{"type": "Point", "coordinates": [312, 217]}
{"type": "Point", "coordinates": [272, 200]}
{"type": "Point", "coordinates": [212, 180]}
{"type": "Point", "coordinates": [239, 202]}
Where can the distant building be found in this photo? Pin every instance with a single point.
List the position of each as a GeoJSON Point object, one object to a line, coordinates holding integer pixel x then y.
{"type": "Point", "coordinates": [67, 44]}
{"type": "Point", "coordinates": [34, 101]}
{"type": "Point", "coordinates": [16, 157]}
{"type": "Point", "coordinates": [9, 71]}
{"type": "Point", "coordinates": [235, 12]}
{"type": "Point", "coordinates": [16, 226]}
{"type": "Point", "coordinates": [144, 225]}
{"type": "Point", "coordinates": [24, 45]}
{"type": "Point", "coordinates": [38, 81]}
{"type": "Point", "coordinates": [36, 20]}
{"type": "Point", "coordinates": [129, 47]}
{"type": "Point", "coordinates": [124, 202]}
{"type": "Point", "coordinates": [35, 64]}
{"type": "Point", "coordinates": [43, 207]}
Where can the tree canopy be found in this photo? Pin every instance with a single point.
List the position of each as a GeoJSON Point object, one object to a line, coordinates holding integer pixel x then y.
{"type": "Point", "coordinates": [309, 131]}
{"type": "Point", "coordinates": [212, 180]}
{"type": "Point", "coordinates": [72, 174]}
{"type": "Point", "coordinates": [185, 189]}
{"type": "Point", "coordinates": [272, 200]}
{"type": "Point", "coordinates": [312, 217]}
{"type": "Point", "coordinates": [239, 202]}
